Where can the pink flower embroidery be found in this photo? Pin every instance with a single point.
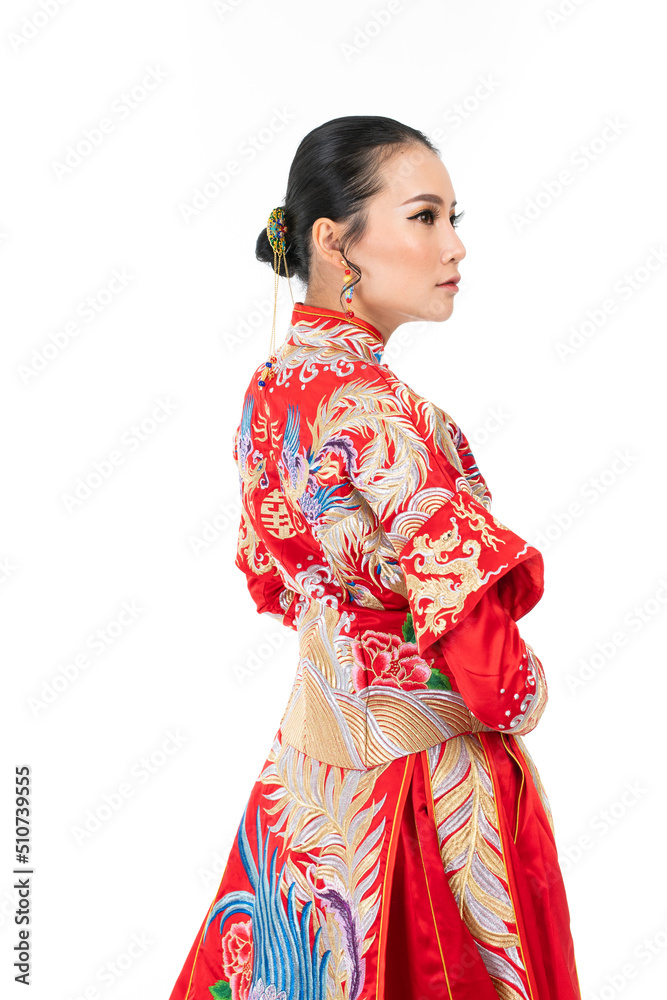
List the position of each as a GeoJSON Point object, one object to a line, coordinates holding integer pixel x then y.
{"type": "Point", "coordinates": [237, 958]}
{"type": "Point", "coordinates": [385, 659]}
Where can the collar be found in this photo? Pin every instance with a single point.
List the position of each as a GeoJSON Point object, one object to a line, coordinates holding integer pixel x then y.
{"type": "Point", "coordinates": [328, 325]}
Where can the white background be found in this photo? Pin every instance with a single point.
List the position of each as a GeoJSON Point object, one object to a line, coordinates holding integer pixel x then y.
{"type": "Point", "coordinates": [512, 94]}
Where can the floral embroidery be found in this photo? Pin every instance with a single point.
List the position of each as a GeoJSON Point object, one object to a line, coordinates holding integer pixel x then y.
{"type": "Point", "coordinates": [237, 958]}
{"type": "Point", "coordinates": [220, 990]}
{"type": "Point", "coordinates": [437, 680]}
{"type": "Point", "coordinates": [262, 992]}
{"type": "Point", "coordinates": [383, 658]}
{"type": "Point", "coordinates": [282, 948]}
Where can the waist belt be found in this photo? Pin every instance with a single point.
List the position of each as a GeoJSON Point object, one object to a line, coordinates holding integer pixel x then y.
{"type": "Point", "coordinates": [355, 702]}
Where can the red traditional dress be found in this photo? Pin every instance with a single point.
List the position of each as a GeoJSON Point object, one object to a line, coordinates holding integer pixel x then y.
{"type": "Point", "coordinates": [398, 842]}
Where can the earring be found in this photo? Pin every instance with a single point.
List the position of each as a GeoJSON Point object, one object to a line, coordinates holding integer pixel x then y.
{"type": "Point", "coordinates": [347, 290]}
{"type": "Point", "coordinates": [276, 229]}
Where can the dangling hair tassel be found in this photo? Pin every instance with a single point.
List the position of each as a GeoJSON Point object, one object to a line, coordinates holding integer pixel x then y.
{"type": "Point", "coordinates": [275, 230]}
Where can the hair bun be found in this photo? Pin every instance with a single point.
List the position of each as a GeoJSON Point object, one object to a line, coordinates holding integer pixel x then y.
{"type": "Point", "coordinates": [336, 169]}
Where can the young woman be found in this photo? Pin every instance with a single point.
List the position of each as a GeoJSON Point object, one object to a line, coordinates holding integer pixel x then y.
{"type": "Point", "coordinates": [398, 841]}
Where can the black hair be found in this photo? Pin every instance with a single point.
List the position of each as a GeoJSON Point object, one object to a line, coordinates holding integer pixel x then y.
{"type": "Point", "coordinates": [335, 170]}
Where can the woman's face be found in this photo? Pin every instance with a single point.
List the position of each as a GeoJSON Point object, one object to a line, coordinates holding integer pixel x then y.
{"type": "Point", "coordinates": [410, 247]}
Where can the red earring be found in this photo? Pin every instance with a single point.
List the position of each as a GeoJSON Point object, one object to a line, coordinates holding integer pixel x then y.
{"type": "Point", "coordinates": [347, 290]}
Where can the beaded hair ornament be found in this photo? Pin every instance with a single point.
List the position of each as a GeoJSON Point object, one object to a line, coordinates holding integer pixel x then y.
{"type": "Point", "coordinates": [276, 229]}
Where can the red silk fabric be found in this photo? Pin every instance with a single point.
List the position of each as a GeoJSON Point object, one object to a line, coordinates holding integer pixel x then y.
{"type": "Point", "coordinates": [429, 950]}
{"type": "Point", "coordinates": [486, 656]}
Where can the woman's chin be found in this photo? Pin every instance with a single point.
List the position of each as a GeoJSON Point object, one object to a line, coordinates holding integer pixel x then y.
{"type": "Point", "coordinates": [440, 308]}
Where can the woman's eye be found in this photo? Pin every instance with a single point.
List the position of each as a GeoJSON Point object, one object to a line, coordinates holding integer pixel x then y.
{"type": "Point", "coordinates": [432, 215]}
{"type": "Point", "coordinates": [429, 212]}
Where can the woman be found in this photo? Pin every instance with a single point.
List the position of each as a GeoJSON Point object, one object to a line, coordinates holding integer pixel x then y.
{"type": "Point", "coordinates": [398, 841]}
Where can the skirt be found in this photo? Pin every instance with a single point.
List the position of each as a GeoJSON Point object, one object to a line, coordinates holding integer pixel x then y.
{"type": "Point", "coordinates": [435, 875]}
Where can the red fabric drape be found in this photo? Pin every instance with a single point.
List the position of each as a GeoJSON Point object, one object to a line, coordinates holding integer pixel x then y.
{"type": "Point", "coordinates": [429, 950]}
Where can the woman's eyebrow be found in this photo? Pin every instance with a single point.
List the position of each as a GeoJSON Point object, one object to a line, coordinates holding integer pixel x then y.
{"type": "Point", "coordinates": [428, 197]}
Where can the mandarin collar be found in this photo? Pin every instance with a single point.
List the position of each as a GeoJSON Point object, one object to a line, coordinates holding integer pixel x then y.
{"type": "Point", "coordinates": [358, 334]}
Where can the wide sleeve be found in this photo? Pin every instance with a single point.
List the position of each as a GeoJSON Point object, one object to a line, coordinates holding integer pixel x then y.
{"type": "Point", "coordinates": [272, 596]}
{"type": "Point", "coordinates": [267, 588]}
{"type": "Point", "coordinates": [468, 578]}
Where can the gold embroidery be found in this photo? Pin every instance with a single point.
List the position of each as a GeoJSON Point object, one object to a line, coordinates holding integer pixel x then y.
{"type": "Point", "coordinates": [452, 562]}
{"type": "Point", "coordinates": [251, 548]}
{"type": "Point", "coordinates": [327, 719]}
{"type": "Point", "coordinates": [334, 839]}
{"type": "Point", "coordinates": [433, 550]}
{"type": "Point", "coordinates": [477, 520]}
{"type": "Point", "coordinates": [445, 599]}
{"type": "Point", "coordinates": [472, 853]}
{"type": "Point", "coordinates": [275, 515]}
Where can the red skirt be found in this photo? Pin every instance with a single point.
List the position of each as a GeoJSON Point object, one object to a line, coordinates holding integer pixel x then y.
{"type": "Point", "coordinates": [465, 899]}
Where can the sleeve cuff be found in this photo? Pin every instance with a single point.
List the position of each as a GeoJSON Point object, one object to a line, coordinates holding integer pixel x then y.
{"type": "Point", "coordinates": [456, 555]}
